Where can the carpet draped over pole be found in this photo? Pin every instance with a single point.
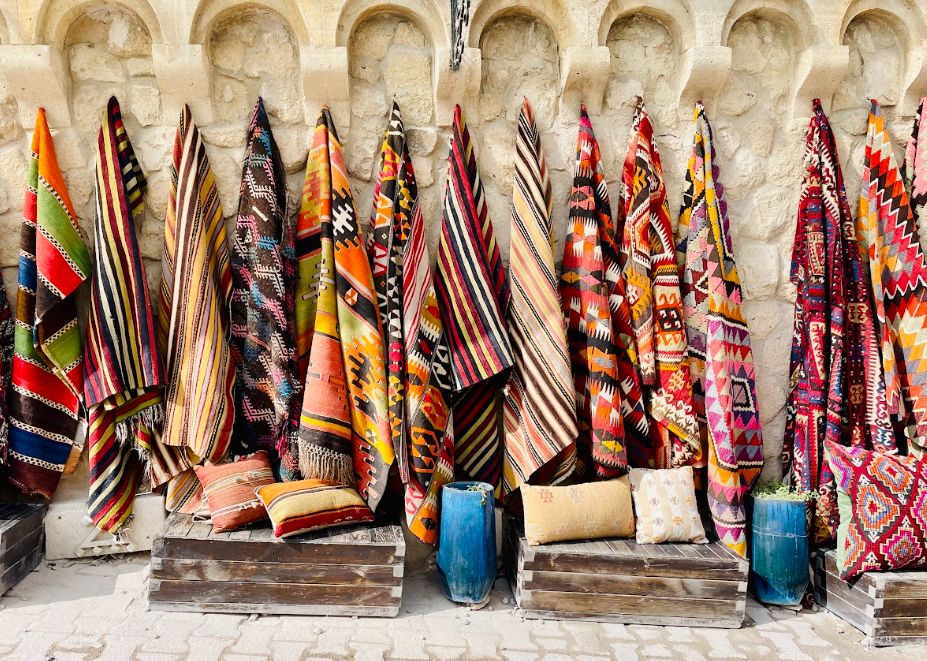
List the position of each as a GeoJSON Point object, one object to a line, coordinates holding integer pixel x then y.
{"type": "Point", "coordinates": [837, 389]}
{"type": "Point", "coordinates": [539, 409]}
{"type": "Point", "coordinates": [123, 371]}
{"type": "Point", "coordinates": [47, 380]}
{"type": "Point", "coordinates": [418, 364]}
{"type": "Point", "coordinates": [719, 352]}
{"type": "Point", "coordinates": [193, 312]}
{"type": "Point", "coordinates": [264, 335]}
{"type": "Point", "coordinates": [473, 293]}
{"type": "Point", "coordinates": [890, 246]}
{"type": "Point", "coordinates": [344, 430]}
{"type": "Point", "coordinates": [648, 264]}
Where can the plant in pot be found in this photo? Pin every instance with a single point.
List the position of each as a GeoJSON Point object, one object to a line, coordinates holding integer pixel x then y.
{"type": "Point", "coordinates": [779, 552]}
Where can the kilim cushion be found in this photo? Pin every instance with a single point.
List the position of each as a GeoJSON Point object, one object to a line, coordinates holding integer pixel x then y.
{"type": "Point", "coordinates": [298, 507]}
{"type": "Point", "coordinates": [229, 490]}
{"type": "Point", "coordinates": [886, 497]}
{"type": "Point", "coordinates": [579, 511]}
{"type": "Point", "coordinates": [664, 501]}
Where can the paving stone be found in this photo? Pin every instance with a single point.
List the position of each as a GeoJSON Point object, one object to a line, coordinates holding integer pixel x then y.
{"type": "Point", "coordinates": [35, 644]}
{"type": "Point", "coordinates": [156, 656]}
{"type": "Point", "coordinates": [442, 653]}
{"type": "Point", "coordinates": [221, 625]}
{"type": "Point", "coordinates": [334, 642]}
{"type": "Point", "coordinates": [616, 631]}
{"type": "Point", "coordinates": [253, 640]}
{"type": "Point", "coordinates": [517, 638]}
{"type": "Point", "coordinates": [551, 644]}
{"type": "Point", "coordinates": [208, 648]}
{"type": "Point", "coordinates": [625, 651]}
{"type": "Point", "coordinates": [482, 645]}
{"type": "Point", "coordinates": [786, 648]}
{"type": "Point", "coordinates": [407, 645]}
{"type": "Point", "coordinates": [288, 650]}
{"type": "Point", "coordinates": [719, 643]}
{"type": "Point", "coordinates": [364, 651]}
{"type": "Point", "coordinates": [520, 656]}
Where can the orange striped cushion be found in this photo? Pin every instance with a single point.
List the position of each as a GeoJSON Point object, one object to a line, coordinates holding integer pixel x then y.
{"type": "Point", "coordinates": [229, 490]}
{"type": "Point", "coordinates": [298, 507]}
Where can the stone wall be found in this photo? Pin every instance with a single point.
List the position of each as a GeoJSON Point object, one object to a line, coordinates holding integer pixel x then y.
{"type": "Point", "coordinates": [756, 63]}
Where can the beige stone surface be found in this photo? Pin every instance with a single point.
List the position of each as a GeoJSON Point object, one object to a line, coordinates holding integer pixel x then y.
{"type": "Point", "coordinates": [755, 63]}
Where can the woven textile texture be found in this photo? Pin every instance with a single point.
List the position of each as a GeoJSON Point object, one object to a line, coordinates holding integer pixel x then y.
{"type": "Point", "coordinates": [418, 365]}
{"type": "Point", "coordinates": [123, 371]}
{"type": "Point", "coordinates": [719, 353]}
{"type": "Point", "coordinates": [264, 272]}
{"type": "Point", "coordinates": [7, 324]}
{"type": "Point", "coordinates": [648, 265]}
{"type": "Point", "coordinates": [47, 379]}
{"type": "Point", "coordinates": [887, 498]}
{"type": "Point", "coordinates": [302, 506]}
{"type": "Point", "coordinates": [344, 431]}
{"type": "Point", "coordinates": [914, 170]}
{"type": "Point", "coordinates": [539, 413]}
{"type": "Point", "coordinates": [890, 245]}
{"type": "Point", "coordinates": [473, 294]}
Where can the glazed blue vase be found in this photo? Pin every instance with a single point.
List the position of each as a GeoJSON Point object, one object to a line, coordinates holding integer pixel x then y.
{"type": "Point", "coordinates": [779, 566]}
{"type": "Point", "coordinates": [467, 545]}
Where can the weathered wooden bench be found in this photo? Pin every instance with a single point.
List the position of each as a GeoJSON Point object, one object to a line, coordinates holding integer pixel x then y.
{"type": "Point", "coordinates": [354, 570]}
{"type": "Point", "coordinates": [22, 541]}
{"type": "Point", "coordinates": [617, 580]}
{"type": "Point", "coordinates": [889, 607]}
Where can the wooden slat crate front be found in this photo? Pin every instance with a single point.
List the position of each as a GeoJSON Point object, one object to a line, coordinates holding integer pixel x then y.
{"type": "Point", "coordinates": [889, 607]}
{"type": "Point", "coordinates": [618, 580]}
{"type": "Point", "coordinates": [338, 571]}
{"type": "Point", "coordinates": [22, 540]}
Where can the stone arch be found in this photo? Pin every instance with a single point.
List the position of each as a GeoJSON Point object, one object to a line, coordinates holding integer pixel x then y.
{"type": "Point", "coordinates": [212, 13]}
{"type": "Point", "coordinates": [4, 29]}
{"type": "Point", "coordinates": [794, 15]}
{"type": "Point", "coordinates": [891, 38]}
{"type": "Point", "coordinates": [424, 14]}
{"type": "Point", "coordinates": [54, 18]}
{"type": "Point", "coordinates": [907, 21]}
{"type": "Point", "coordinates": [552, 13]}
{"type": "Point", "coordinates": [674, 15]}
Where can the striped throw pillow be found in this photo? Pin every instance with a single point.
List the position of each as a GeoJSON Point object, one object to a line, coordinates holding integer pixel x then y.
{"type": "Point", "coordinates": [298, 507]}
{"type": "Point", "coordinates": [229, 490]}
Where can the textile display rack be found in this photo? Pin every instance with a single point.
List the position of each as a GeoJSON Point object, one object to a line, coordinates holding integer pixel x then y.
{"type": "Point", "coordinates": [618, 580]}
{"type": "Point", "coordinates": [354, 570]}
{"type": "Point", "coordinates": [22, 540]}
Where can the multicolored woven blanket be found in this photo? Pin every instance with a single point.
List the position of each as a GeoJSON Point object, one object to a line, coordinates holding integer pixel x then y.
{"type": "Point", "coordinates": [719, 350]}
{"type": "Point", "coordinates": [47, 381]}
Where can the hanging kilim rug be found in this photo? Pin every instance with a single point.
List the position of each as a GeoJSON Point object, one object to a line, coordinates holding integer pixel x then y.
{"type": "Point", "coordinates": [472, 293]}
{"type": "Point", "coordinates": [539, 411]}
{"type": "Point", "coordinates": [914, 170]}
{"type": "Point", "coordinates": [123, 373]}
{"type": "Point", "coordinates": [418, 362]}
{"type": "Point", "coordinates": [193, 314]}
{"type": "Point", "coordinates": [719, 343]}
{"type": "Point", "coordinates": [888, 238]}
{"type": "Point", "coordinates": [344, 429]}
{"type": "Point", "coordinates": [308, 261]}
{"type": "Point", "coordinates": [7, 323]}
{"type": "Point", "coordinates": [652, 281]}
{"type": "Point", "coordinates": [47, 379]}
{"type": "Point", "coordinates": [836, 375]}
{"type": "Point", "coordinates": [263, 305]}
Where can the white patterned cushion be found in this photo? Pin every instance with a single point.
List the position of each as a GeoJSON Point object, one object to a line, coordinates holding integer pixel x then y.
{"type": "Point", "coordinates": [664, 503]}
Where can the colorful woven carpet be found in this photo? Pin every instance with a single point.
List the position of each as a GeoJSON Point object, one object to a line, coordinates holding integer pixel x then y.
{"type": "Point", "coordinates": [7, 324]}
{"type": "Point", "coordinates": [914, 170]}
{"type": "Point", "coordinates": [193, 313]}
{"type": "Point", "coordinates": [418, 364]}
{"type": "Point", "coordinates": [264, 273]}
{"type": "Point", "coordinates": [472, 293]}
{"type": "Point", "coordinates": [344, 430]}
{"type": "Point", "coordinates": [719, 342]}
{"type": "Point", "coordinates": [652, 280]}
{"type": "Point", "coordinates": [123, 373]}
{"type": "Point", "coordinates": [539, 412]}
{"type": "Point", "coordinates": [47, 380]}
{"type": "Point", "coordinates": [836, 375]}
{"type": "Point", "coordinates": [888, 240]}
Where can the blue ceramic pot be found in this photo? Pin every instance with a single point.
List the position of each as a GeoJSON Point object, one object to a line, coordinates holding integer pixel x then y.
{"type": "Point", "coordinates": [467, 546]}
{"type": "Point", "coordinates": [780, 551]}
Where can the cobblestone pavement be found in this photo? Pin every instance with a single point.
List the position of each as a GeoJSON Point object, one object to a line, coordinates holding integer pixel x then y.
{"type": "Point", "coordinates": [79, 611]}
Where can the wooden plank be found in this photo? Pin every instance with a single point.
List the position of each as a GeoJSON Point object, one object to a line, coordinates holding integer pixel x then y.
{"type": "Point", "coordinates": [275, 551]}
{"type": "Point", "coordinates": [18, 571]}
{"type": "Point", "coordinates": [275, 609]}
{"type": "Point", "coordinates": [637, 619]}
{"type": "Point", "coordinates": [206, 592]}
{"type": "Point", "coordinates": [901, 608]}
{"type": "Point", "coordinates": [634, 565]}
{"type": "Point", "coordinates": [900, 626]}
{"type": "Point", "coordinates": [849, 593]}
{"type": "Point", "coordinates": [36, 538]}
{"type": "Point", "coordinates": [588, 604]}
{"type": "Point", "coordinates": [262, 572]}
{"type": "Point", "coordinates": [849, 613]}
{"type": "Point", "coordinates": [631, 585]}
{"type": "Point", "coordinates": [28, 519]}
{"type": "Point", "coordinates": [199, 530]}
{"type": "Point", "coordinates": [863, 582]}
{"type": "Point", "coordinates": [904, 588]}
{"type": "Point", "coordinates": [895, 641]}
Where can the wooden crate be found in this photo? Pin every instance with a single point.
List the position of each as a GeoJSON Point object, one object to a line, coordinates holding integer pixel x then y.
{"type": "Point", "coordinates": [337, 571]}
{"type": "Point", "coordinates": [617, 580]}
{"type": "Point", "coordinates": [889, 607]}
{"type": "Point", "coordinates": [22, 541]}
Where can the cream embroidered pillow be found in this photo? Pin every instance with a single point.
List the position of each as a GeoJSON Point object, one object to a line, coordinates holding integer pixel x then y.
{"type": "Point", "coordinates": [580, 511]}
{"type": "Point", "coordinates": [664, 501]}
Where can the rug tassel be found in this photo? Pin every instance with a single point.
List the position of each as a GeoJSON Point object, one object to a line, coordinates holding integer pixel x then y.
{"type": "Point", "coordinates": [317, 463]}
